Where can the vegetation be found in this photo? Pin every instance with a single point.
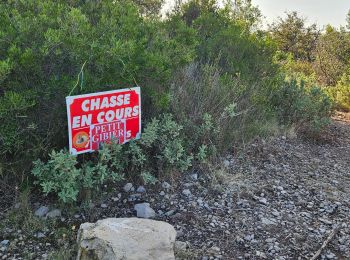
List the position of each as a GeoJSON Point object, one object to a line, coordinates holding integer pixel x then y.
{"type": "Point", "coordinates": [211, 80]}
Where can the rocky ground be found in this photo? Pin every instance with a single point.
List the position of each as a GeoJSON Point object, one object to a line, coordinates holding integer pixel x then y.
{"type": "Point", "coordinates": [283, 198]}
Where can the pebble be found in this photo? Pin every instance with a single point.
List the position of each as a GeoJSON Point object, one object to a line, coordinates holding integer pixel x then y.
{"type": "Point", "coordinates": [41, 212]}
{"type": "Point", "coordinates": [141, 189]}
{"type": "Point", "coordinates": [226, 163]}
{"type": "Point", "coordinates": [40, 235]}
{"type": "Point", "coordinates": [54, 213]}
{"type": "Point", "coordinates": [267, 221]}
{"type": "Point", "coordinates": [263, 201]}
{"type": "Point", "coordinates": [128, 187]}
{"type": "Point", "coordinates": [170, 213]}
{"type": "Point", "coordinates": [194, 176]}
{"type": "Point", "coordinates": [144, 210]}
{"type": "Point", "coordinates": [304, 211]}
{"type": "Point", "coordinates": [180, 245]}
{"type": "Point", "coordinates": [166, 185]}
{"type": "Point", "coordinates": [186, 192]}
{"type": "Point", "coordinates": [325, 221]}
{"type": "Point", "coordinates": [5, 242]}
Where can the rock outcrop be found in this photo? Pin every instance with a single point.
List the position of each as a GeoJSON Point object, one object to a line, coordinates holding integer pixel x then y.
{"type": "Point", "coordinates": [126, 238]}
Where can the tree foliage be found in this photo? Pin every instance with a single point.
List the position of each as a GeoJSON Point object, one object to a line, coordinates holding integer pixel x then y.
{"type": "Point", "coordinates": [293, 36]}
{"type": "Point", "coordinates": [332, 55]}
{"type": "Point", "coordinates": [44, 45]}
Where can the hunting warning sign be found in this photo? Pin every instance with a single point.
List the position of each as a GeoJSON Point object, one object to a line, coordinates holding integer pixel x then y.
{"type": "Point", "coordinates": [98, 118]}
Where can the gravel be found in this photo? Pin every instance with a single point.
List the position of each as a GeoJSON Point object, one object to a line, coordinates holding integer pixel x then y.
{"type": "Point", "coordinates": [278, 199]}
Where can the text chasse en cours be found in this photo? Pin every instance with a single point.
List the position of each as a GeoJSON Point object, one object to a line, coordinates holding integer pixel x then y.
{"type": "Point", "coordinates": [94, 104]}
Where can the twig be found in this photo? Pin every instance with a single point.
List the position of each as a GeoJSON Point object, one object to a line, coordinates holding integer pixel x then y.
{"type": "Point", "coordinates": [325, 243]}
{"type": "Point", "coordinates": [80, 73]}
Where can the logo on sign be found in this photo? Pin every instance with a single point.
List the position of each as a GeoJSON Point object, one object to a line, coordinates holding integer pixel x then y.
{"type": "Point", "coordinates": [94, 119]}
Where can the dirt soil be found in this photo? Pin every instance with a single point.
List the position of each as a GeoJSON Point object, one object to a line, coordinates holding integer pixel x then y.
{"type": "Point", "coordinates": [282, 198]}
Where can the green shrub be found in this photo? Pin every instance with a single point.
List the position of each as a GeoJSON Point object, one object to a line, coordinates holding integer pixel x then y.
{"type": "Point", "coordinates": [208, 70]}
{"type": "Point", "coordinates": [161, 150]}
{"type": "Point", "coordinates": [44, 45]}
{"type": "Point", "coordinates": [217, 109]}
{"type": "Point", "coordinates": [341, 92]}
{"type": "Point", "coordinates": [62, 176]}
{"type": "Point", "coordinates": [306, 108]}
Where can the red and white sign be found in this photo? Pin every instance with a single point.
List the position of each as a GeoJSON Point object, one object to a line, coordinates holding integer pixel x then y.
{"type": "Point", "coordinates": [101, 117]}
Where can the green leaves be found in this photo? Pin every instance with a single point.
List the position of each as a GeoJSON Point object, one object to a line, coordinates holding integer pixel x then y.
{"type": "Point", "coordinates": [301, 107]}
{"type": "Point", "coordinates": [5, 68]}
{"type": "Point", "coordinates": [63, 176]}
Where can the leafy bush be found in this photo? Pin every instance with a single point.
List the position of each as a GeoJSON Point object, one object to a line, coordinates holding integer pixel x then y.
{"type": "Point", "coordinates": [119, 46]}
{"type": "Point", "coordinates": [341, 92]}
{"type": "Point", "coordinates": [60, 175]}
{"type": "Point", "coordinates": [208, 70]}
{"type": "Point", "coordinates": [162, 144]}
{"type": "Point", "coordinates": [217, 109]}
{"type": "Point", "coordinates": [306, 108]}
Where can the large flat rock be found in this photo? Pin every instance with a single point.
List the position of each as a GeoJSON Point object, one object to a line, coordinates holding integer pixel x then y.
{"type": "Point", "coordinates": [126, 238]}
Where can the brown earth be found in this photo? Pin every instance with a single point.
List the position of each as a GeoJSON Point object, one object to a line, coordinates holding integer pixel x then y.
{"type": "Point", "coordinates": [282, 198]}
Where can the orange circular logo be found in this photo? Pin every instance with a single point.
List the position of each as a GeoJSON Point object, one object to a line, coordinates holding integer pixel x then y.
{"type": "Point", "coordinates": [80, 140]}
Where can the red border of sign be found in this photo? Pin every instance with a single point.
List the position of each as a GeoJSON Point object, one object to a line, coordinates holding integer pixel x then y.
{"type": "Point", "coordinates": [69, 101]}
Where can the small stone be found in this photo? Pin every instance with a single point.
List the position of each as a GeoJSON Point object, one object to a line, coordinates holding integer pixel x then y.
{"type": "Point", "coordinates": [141, 189]}
{"type": "Point", "coordinates": [325, 221]}
{"type": "Point", "coordinates": [215, 248]}
{"type": "Point", "coordinates": [270, 240]}
{"type": "Point", "coordinates": [330, 256]}
{"type": "Point", "coordinates": [276, 214]}
{"type": "Point", "coordinates": [226, 163]}
{"type": "Point", "coordinates": [54, 213]}
{"type": "Point", "coordinates": [260, 254]}
{"type": "Point", "coordinates": [249, 237]}
{"type": "Point", "coordinates": [263, 201]}
{"type": "Point", "coordinates": [134, 197]}
{"type": "Point", "coordinates": [41, 212]}
{"type": "Point", "coordinates": [267, 221]}
{"type": "Point", "coordinates": [169, 213]}
{"type": "Point", "coordinates": [166, 185]}
{"type": "Point", "coordinates": [179, 233]}
{"type": "Point", "coordinates": [128, 187]}
{"type": "Point", "coordinates": [194, 176]}
{"type": "Point", "coordinates": [144, 210]}
{"type": "Point", "coordinates": [186, 192]}
{"type": "Point", "coordinates": [40, 235]}
{"type": "Point", "coordinates": [5, 242]}
{"type": "Point", "coordinates": [179, 245]}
